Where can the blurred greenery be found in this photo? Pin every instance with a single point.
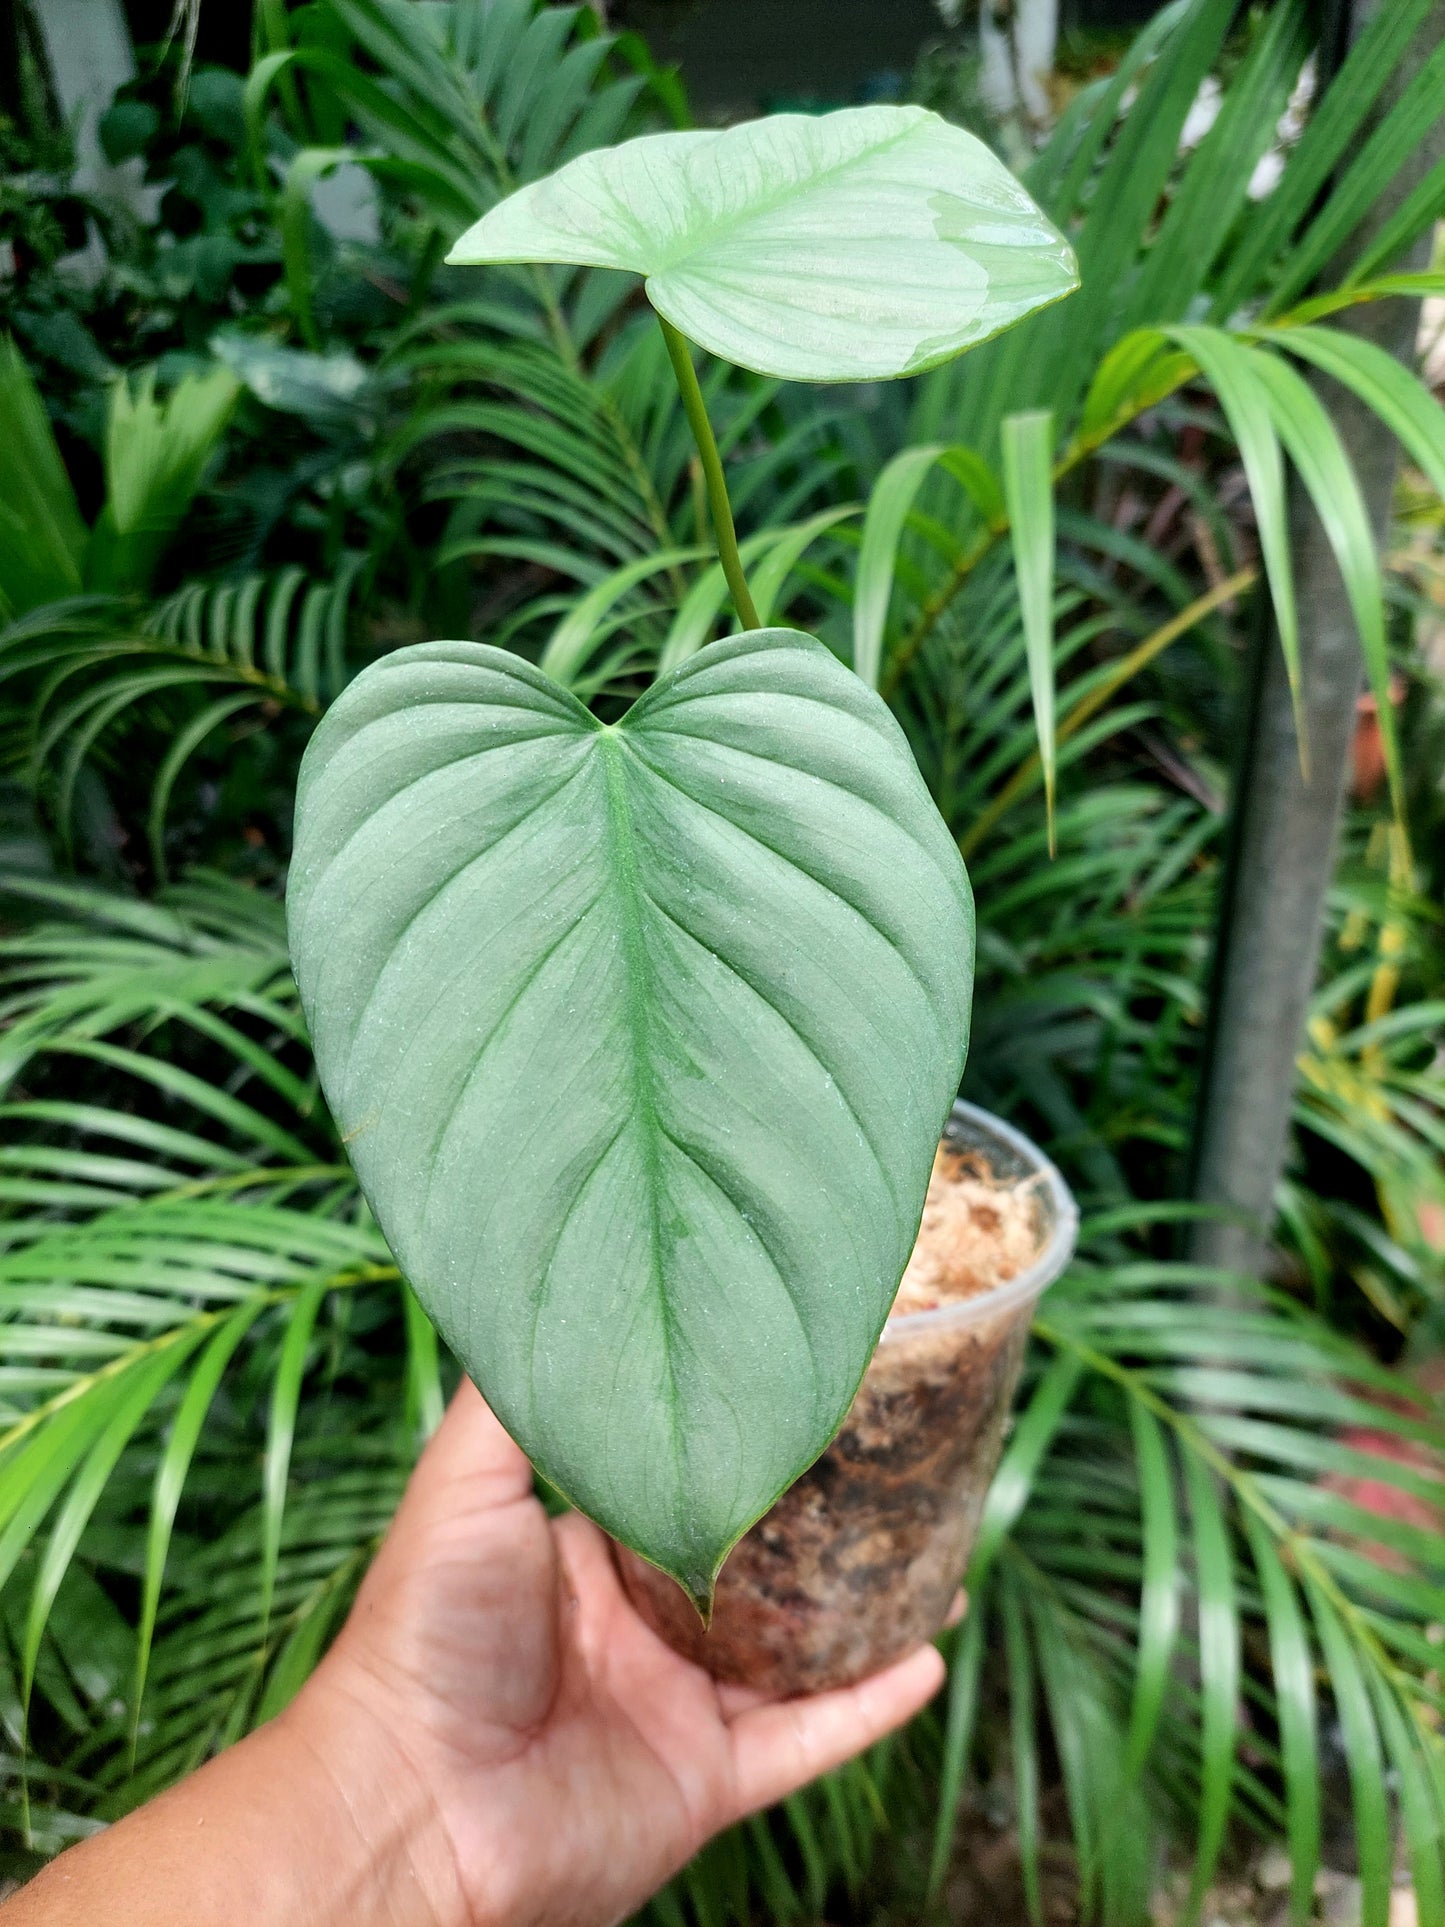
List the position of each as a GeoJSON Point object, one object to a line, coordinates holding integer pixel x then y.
{"type": "Point", "coordinates": [271, 437]}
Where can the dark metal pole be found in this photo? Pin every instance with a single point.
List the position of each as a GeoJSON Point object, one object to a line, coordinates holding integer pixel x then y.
{"type": "Point", "coordinates": [1286, 830]}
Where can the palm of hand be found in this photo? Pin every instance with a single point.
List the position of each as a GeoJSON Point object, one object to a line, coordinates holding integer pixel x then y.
{"type": "Point", "coordinates": [573, 1760]}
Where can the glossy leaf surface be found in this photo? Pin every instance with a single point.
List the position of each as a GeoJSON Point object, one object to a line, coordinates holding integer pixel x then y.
{"type": "Point", "coordinates": [641, 1038]}
{"type": "Point", "coordinates": [853, 246]}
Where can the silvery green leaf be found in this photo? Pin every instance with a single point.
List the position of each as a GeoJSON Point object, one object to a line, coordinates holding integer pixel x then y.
{"type": "Point", "coordinates": [851, 246]}
{"type": "Point", "coordinates": [641, 1038]}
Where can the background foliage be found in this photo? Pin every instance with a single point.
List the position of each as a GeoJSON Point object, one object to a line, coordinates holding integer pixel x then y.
{"type": "Point", "coordinates": [265, 446]}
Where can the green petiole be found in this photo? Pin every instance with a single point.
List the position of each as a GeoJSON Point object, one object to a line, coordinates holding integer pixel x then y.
{"type": "Point", "coordinates": [695, 409]}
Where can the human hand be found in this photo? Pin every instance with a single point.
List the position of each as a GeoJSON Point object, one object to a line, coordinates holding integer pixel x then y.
{"type": "Point", "coordinates": [495, 1740]}
{"type": "Point", "coordinates": [571, 1760]}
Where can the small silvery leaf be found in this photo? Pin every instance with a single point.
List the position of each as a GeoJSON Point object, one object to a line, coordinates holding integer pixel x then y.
{"type": "Point", "coordinates": [853, 246]}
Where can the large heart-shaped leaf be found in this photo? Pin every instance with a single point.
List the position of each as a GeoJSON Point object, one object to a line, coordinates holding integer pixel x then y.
{"type": "Point", "coordinates": [641, 1038]}
{"type": "Point", "coordinates": [852, 246]}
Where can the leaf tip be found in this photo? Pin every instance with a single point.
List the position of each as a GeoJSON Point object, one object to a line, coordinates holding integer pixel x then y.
{"type": "Point", "coordinates": [702, 1596]}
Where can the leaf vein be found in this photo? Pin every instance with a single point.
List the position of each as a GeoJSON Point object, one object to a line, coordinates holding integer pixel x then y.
{"type": "Point", "coordinates": [783, 857]}
{"type": "Point", "coordinates": [533, 973]}
{"type": "Point", "coordinates": [769, 1004]}
{"type": "Point", "coordinates": [357, 1024]}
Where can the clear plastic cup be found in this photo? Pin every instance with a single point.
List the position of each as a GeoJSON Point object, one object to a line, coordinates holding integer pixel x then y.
{"type": "Point", "coordinates": [861, 1558]}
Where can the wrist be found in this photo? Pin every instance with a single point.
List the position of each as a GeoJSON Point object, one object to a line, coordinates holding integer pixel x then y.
{"type": "Point", "coordinates": [315, 1820]}
{"type": "Point", "coordinates": [391, 1854]}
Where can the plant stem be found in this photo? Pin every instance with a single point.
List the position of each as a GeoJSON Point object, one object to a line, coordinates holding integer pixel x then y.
{"type": "Point", "coordinates": [695, 409]}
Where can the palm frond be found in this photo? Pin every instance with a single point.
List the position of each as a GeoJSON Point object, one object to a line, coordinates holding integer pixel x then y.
{"type": "Point", "coordinates": [1219, 1507]}
{"type": "Point", "coordinates": [277, 641]}
{"type": "Point", "coordinates": [460, 105]}
{"type": "Point", "coordinates": [42, 536]}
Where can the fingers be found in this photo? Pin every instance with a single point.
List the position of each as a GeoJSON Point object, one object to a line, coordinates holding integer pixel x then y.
{"type": "Point", "coordinates": [780, 1747]}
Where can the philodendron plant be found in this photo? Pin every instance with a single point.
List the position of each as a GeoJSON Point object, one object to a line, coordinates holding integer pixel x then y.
{"type": "Point", "coordinates": [641, 1034]}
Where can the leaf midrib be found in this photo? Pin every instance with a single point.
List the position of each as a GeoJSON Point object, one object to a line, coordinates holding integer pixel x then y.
{"type": "Point", "coordinates": [621, 846]}
{"type": "Point", "coordinates": [705, 237]}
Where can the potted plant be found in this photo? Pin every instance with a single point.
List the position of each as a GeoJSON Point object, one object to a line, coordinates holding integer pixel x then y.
{"type": "Point", "coordinates": [642, 1033]}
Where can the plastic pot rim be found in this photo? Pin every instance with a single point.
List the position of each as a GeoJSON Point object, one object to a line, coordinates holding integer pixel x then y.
{"type": "Point", "coordinates": [1027, 1285]}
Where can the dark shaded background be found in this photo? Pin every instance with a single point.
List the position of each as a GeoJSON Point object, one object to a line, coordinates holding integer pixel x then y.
{"type": "Point", "coordinates": [733, 53]}
{"type": "Point", "coordinates": [764, 52]}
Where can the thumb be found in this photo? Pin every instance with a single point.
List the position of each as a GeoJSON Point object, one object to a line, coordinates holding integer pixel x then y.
{"type": "Point", "coordinates": [470, 1465]}
{"type": "Point", "coordinates": [779, 1747]}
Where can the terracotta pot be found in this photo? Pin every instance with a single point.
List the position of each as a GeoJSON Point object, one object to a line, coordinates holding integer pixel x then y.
{"type": "Point", "coordinates": [860, 1559]}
